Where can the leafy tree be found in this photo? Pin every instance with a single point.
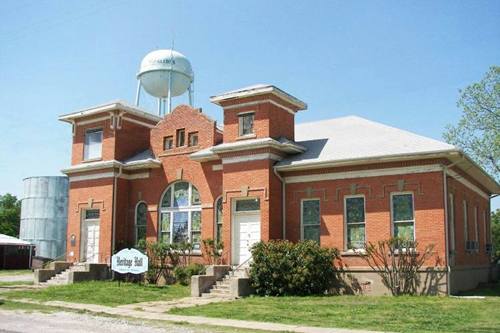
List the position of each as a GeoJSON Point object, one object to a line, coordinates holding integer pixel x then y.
{"type": "Point", "coordinates": [10, 215]}
{"type": "Point", "coordinates": [495, 233]}
{"type": "Point", "coordinates": [478, 131]}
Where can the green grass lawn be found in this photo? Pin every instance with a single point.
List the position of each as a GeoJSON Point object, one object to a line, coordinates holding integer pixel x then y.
{"type": "Point", "coordinates": [397, 314]}
{"type": "Point", "coordinates": [4, 272]}
{"type": "Point", "coordinates": [103, 292]}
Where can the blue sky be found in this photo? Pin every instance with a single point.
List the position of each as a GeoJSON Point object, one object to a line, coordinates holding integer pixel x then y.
{"type": "Point", "coordinates": [397, 62]}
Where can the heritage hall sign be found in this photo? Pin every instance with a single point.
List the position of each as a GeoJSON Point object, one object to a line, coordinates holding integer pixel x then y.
{"type": "Point", "coordinates": [129, 261]}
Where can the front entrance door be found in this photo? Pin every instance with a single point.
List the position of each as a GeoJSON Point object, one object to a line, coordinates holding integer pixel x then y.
{"type": "Point", "coordinates": [246, 231]}
{"type": "Point", "coordinates": [90, 242]}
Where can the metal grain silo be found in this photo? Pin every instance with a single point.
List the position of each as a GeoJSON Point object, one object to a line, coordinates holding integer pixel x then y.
{"type": "Point", "coordinates": [44, 215]}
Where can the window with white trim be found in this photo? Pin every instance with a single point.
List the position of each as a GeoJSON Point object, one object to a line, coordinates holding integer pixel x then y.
{"type": "Point", "coordinates": [486, 228]}
{"type": "Point", "coordinates": [466, 223]}
{"type": "Point", "coordinates": [180, 137]}
{"type": "Point", "coordinates": [476, 227]}
{"type": "Point", "coordinates": [310, 219]}
{"type": "Point", "coordinates": [92, 148]}
{"type": "Point", "coordinates": [354, 216]}
{"type": "Point", "coordinates": [218, 220]}
{"type": "Point", "coordinates": [141, 212]}
{"type": "Point", "coordinates": [180, 215]}
{"type": "Point", "coordinates": [168, 142]}
{"type": "Point", "coordinates": [245, 123]}
{"type": "Point", "coordinates": [451, 221]}
{"type": "Point", "coordinates": [403, 215]}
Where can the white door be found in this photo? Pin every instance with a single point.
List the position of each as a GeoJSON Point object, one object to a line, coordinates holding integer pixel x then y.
{"type": "Point", "coordinates": [91, 242]}
{"type": "Point", "coordinates": [246, 233]}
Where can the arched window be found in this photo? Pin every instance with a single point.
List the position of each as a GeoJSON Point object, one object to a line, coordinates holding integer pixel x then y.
{"type": "Point", "coordinates": [140, 221]}
{"type": "Point", "coordinates": [218, 220]}
{"type": "Point", "coordinates": [180, 215]}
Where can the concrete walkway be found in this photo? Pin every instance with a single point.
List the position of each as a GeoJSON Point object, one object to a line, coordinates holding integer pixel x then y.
{"type": "Point", "coordinates": [131, 311]}
{"type": "Point", "coordinates": [17, 277]}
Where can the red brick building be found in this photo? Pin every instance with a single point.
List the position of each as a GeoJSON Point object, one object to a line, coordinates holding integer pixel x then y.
{"type": "Point", "coordinates": [342, 182]}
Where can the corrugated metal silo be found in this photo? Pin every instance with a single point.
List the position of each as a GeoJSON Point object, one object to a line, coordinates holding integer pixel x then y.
{"type": "Point", "coordinates": [44, 215]}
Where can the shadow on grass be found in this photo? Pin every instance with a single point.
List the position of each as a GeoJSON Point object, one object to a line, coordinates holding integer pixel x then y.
{"type": "Point", "coordinates": [487, 289]}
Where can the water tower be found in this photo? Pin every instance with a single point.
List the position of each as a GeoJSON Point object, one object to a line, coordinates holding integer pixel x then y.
{"type": "Point", "coordinates": [165, 74]}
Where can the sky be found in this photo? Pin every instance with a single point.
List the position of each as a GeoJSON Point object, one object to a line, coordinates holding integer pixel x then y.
{"type": "Point", "coordinates": [400, 63]}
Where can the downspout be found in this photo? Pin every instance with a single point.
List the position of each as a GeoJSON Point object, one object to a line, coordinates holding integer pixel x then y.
{"type": "Point", "coordinates": [447, 231]}
{"type": "Point", "coordinates": [283, 203]}
{"type": "Point", "coordinates": [115, 184]}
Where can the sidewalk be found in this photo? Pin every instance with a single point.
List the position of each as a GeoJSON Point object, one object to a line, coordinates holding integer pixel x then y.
{"type": "Point", "coordinates": [131, 311]}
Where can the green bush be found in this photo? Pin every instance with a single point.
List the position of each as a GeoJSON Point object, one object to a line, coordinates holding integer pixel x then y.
{"type": "Point", "coordinates": [183, 273]}
{"type": "Point", "coordinates": [285, 268]}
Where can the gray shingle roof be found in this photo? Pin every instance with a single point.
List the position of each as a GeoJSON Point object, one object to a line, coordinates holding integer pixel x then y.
{"type": "Point", "coordinates": [352, 138]}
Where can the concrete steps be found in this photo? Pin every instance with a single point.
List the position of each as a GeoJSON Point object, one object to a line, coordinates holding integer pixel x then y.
{"type": "Point", "coordinates": [63, 277]}
{"type": "Point", "coordinates": [222, 288]}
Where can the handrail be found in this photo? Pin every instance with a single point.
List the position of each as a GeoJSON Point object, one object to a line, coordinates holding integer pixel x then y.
{"type": "Point", "coordinates": [249, 259]}
{"type": "Point", "coordinates": [46, 264]}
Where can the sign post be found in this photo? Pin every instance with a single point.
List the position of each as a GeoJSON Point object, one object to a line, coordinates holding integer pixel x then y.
{"type": "Point", "coordinates": [129, 261]}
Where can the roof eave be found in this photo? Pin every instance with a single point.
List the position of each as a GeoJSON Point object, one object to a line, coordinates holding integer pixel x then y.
{"type": "Point", "coordinates": [363, 160]}
{"type": "Point", "coordinates": [71, 117]}
{"type": "Point", "coordinates": [219, 99]}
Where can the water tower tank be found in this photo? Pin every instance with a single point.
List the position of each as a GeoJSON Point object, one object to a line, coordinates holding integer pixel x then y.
{"type": "Point", "coordinates": [165, 74]}
{"type": "Point", "coordinates": [44, 215]}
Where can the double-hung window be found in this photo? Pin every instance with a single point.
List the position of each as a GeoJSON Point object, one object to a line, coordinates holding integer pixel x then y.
{"type": "Point", "coordinates": [310, 219]}
{"type": "Point", "coordinates": [466, 224]}
{"type": "Point", "coordinates": [218, 220]}
{"type": "Point", "coordinates": [93, 144]}
{"type": "Point", "coordinates": [168, 142]}
{"type": "Point", "coordinates": [245, 123]}
{"type": "Point", "coordinates": [140, 221]}
{"type": "Point", "coordinates": [181, 137]}
{"type": "Point", "coordinates": [355, 221]}
{"type": "Point", "coordinates": [403, 216]}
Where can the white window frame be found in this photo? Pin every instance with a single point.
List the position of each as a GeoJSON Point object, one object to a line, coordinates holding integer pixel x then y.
{"type": "Point", "coordinates": [216, 222]}
{"type": "Point", "coordinates": [476, 226]}
{"type": "Point", "coordinates": [169, 137]}
{"type": "Point", "coordinates": [302, 217]}
{"type": "Point", "coordinates": [346, 225]}
{"type": "Point", "coordinates": [171, 210]}
{"type": "Point", "coordinates": [451, 221]}
{"type": "Point", "coordinates": [177, 137]}
{"type": "Point", "coordinates": [485, 228]}
{"type": "Point", "coordinates": [393, 223]}
{"type": "Point", "coordinates": [135, 218]}
{"type": "Point", "coordinates": [241, 115]}
{"type": "Point", "coordinates": [86, 144]}
{"type": "Point", "coordinates": [465, 213]}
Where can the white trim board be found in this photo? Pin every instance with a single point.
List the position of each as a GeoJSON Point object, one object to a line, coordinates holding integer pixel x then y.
{"type": "Point", "coordinates": [235, 106]}
{"type": "Point", "coordinates": [138, 122]}
{"type": "Point", "coordinates": [467, 183]}
{"type": "Point", "coordinates": [102, 175]}
{"type": "Point", "coordinates": [363, 173]}
{"type": "Point", "coordinates": [247, 158]}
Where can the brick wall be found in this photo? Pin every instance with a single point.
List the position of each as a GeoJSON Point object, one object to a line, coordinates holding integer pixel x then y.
{"type": "Point", "coordinates": [427, 189]}
{"type": "Point", "coordinates": [461, 257]}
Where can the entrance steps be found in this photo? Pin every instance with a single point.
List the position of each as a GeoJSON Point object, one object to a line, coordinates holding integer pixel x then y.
{"type": "Point", "coordinates": [63, 277]}
{"type": "Point", "coordinates": [222, 288]}
{"type": "Point", "coordinates": [73, 273]}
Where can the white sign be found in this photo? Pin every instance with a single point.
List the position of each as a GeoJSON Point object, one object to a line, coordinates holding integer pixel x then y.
{"type": "Point", "coordinates": [129, 261]}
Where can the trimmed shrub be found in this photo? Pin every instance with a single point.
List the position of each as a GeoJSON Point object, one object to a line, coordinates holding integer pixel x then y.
{"type": "Point", "coordinates": [284, 268]}
{"type": "Point", "coordinates": [183, 273]}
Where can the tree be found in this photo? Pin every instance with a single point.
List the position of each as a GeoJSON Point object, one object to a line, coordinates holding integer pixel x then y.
{"type": "Point", "coordinates": [10, 215]}
{"type": "Point", "coordinates": [478, 131]}
{"type": "Point", "coordinates": [495, 233]}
